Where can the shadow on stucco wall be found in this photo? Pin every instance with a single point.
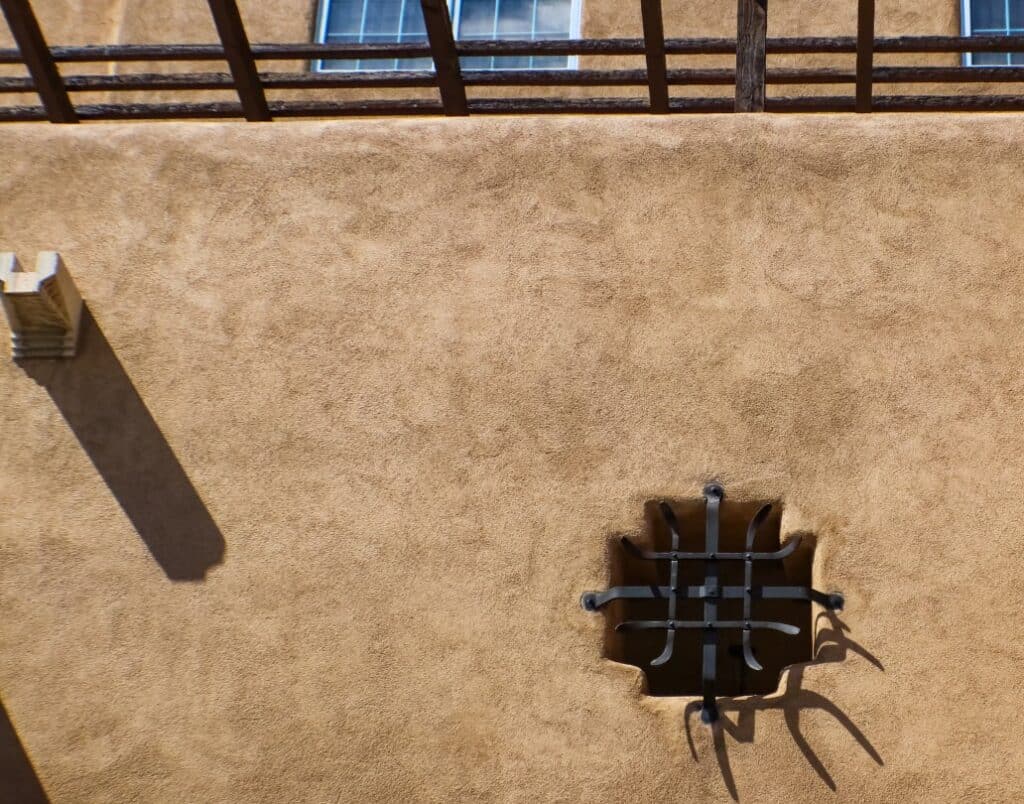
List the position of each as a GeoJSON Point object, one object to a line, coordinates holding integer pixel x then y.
{"type": "Point", "coordinates": [18, 780]}
{"type": "Point", "coordinates": [111, 422]}
{"type": "Point", "coordinates": [831, 644]}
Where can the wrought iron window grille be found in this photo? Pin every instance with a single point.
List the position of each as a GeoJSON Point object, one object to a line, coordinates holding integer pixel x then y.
{"type": "Point", "coordinates": [711, 593]}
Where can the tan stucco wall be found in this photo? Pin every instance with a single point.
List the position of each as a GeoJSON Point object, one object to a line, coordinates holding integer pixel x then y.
{"type": "Point", "coordinates": [156, 21]}
{"type": "Point", "coordinates": [361, 403]}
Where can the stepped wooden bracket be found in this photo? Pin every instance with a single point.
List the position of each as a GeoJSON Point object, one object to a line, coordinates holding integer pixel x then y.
{"type": "Point", "coordinates": [43, 307]}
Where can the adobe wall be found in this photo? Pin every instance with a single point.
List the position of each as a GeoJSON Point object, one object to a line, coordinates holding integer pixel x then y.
{"type": "Point", "coordinates": [359, 405]}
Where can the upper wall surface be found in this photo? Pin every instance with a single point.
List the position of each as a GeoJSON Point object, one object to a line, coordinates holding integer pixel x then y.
{"type": "Point", "coordinates": [359, 405]}
{"type": "Point", "coordinates": [139, 21]}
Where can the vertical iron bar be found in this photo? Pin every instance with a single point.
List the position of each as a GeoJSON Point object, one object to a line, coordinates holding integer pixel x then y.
{"type": "Point", "coordinates": [36, 55]}
{"type": "Point", "coordinates": [673, 585]}
{"type": "Point", "coordinates": [239, 57]}
{"type": "Point", "coordinates": [751, 32]}
{"type": "Point", "coordinates": [654, 50]}
{"type": "Point", "coordinates": [748, 586]}
{"type": "Point", "coordinates": [713, 494]}
{"type": "Point", "coordinates": [865, 53]}
{"type": "Point", "coordinates": [441, 38]}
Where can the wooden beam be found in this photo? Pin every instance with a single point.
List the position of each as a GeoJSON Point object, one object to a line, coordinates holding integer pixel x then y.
{"type": "Point", "coordinates": [446, 59]}
{"type": "Point", "coordinates": [526, 106]}
{"type": "Point", "coordinates": [865, 53]}
{"type": "Point", "coordinates": [654, 50]}
{"type": "Point", "coordinates": [240, 60]}
{"type": "Point", "coordinates": [369, 79]}
{"type": "Point", "coordinates": [751, 36]}
{"type": "Point", "coordinates": [37, 58]}
{"type": "Point", "coordinates": [506, 47]}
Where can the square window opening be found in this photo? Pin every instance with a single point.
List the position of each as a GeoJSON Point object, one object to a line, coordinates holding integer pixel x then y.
{"type": "Point", "coordinates": [401, 21]}
{"type": "Point", "coordinates": [992, 18]}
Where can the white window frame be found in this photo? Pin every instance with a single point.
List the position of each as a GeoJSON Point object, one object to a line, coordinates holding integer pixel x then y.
{"type": "Point", "coordinates": [966, 29]}
{"type": "Point", "coordinates": [455, 9]}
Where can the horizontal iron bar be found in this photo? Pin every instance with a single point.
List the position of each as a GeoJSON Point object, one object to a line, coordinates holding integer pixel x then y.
{"type": "Point", "coordinates": [552, 47]}
{"type": "Point", "coordinates": [673, 555]}
{"type": "Point", "coordinates": [592, 601]}
{"type": "Point", "coordinates": [713, 625]}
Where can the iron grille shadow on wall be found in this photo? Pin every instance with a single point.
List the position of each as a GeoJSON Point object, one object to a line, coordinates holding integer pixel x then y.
{"type": "Point", "coordinates": [732, 583]}
{"type": "Point", "coordinates": [749, 78]}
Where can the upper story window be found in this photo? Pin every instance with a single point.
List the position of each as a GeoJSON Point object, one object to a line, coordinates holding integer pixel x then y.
{"type": "Point", "coordinates": [379, 21]}
{"type": "Point", "coordinates": [993, 18]}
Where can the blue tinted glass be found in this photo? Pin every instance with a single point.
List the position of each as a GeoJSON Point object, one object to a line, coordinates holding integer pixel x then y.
{"type": "Point", "coordinates": [344, 17]}
{"type": "Point", "coordinates": [554, 17]}
{"type": "Point", "coordinates": [515, 19]}
{"type": "Point", "coordinates": [382, 17]}
{"type": "Point", "coordinates": [384, 21]}
{"type": "Point", "coordinates": [1017, 14]}
{"type": "Point", "coordinates": [988, 15]}
{"type": "Point", "coordinates": [476, 19]}
{"type": "Point", "coordinates": [339, 64]}
{"type": "Point", "coordinates": [512, 62]}
{"type": "Point", "coordinates": [413, 29]}
{"type": "Point", "coordinates": [988, 59]}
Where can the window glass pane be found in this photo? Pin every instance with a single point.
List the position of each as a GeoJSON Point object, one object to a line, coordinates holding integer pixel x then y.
{"type": "Point", "coordinates": [413, 29]}
{"type": "Point", "coordinates": [511, 62]}
{"type": "Point", "coordinates": [476, 19]}
{"type": "Point", "coordinates": [515, 19]}
{"type": "Point", "coordinates": [554, 17]}
{"type": "Point", "coordinates": [382, 17]}
{"type": "Point", "coordinates": [384, 21]}
{"type": "Point", "coordinates": [344, 17]}
{"type": "Point", "coordinates": [988, 59]}
{"type": "Point", "coordinates": [1017, 59]}
{"type": "Point", "coordinates": [988, 15]}
{"type": "Point", "coordinates": [1017, 15]}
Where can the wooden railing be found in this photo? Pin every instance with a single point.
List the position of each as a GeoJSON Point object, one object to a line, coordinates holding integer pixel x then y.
{"type": "Point", "coordinates": [749, 78]}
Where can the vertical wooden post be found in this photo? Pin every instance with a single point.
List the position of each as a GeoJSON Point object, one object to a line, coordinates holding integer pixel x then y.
{"type": "Point", "coordinates": [240, 60]}
{"type": "Point", "coordinates": [438, 23]}
{"type": "Point", "coordinates": [751, 32]}
{"type": "Point", "coordinates": [654, 49]}
{"type": "Point", "coordinates": [865, 53]}
{"type": "Point", "coordinates": [39, 61]}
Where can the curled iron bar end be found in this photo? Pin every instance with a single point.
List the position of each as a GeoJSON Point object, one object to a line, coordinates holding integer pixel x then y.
{"type": "Point", "coordinates": [629, 547]}
{"type": "Point", "coordinates": [714, 490]}
{"type": "Point", "coordinates": [709, 713]}
{"type": "Point", "coordinates": [589, 601]}
{"type": "Point", "coordinates": [835, 601]}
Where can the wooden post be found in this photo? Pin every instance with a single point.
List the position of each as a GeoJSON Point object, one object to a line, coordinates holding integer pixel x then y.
{"type": "Point", "coordinates": [865, 53]}
{"type": "Point", "coordinates": [751, 32]}
{"type": "Point", "coordinates": [654, 49]}
{"type": "Point", "coordinates": [39, 61]}
{"type": "Point", "coordinates": [446, 60]}
{"type": "Point", "coordinates": [240, 60]}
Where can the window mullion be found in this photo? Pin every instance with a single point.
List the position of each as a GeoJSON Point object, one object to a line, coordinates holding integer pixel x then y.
{"type": "Point", "coordinates": [494, 31]}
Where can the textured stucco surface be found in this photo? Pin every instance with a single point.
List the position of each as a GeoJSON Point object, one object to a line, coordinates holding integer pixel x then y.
{"type": "Point", "coordinates": [360, 405]}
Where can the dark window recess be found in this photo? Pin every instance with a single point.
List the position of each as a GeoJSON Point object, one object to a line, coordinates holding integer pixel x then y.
{"type": "Point", "coordinates": [715, 605]}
